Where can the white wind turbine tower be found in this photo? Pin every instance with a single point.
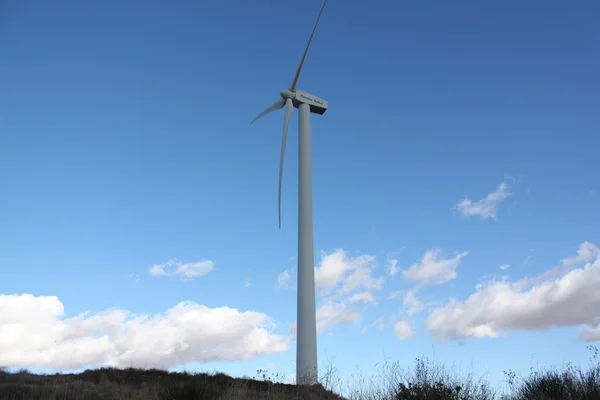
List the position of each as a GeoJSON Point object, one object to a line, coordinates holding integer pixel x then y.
{"type": "Point", "coordinates": [306, 326]}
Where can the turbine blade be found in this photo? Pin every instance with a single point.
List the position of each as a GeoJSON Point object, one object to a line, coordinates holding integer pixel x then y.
{"type": "Point", "coordinates": [295, 81]}
{"type": "Point", "coordinates": [286, 123]}
{"type": "Point", "coordinates": [278, 105]}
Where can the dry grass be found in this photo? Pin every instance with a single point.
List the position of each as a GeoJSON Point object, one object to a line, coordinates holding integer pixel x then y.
{"type": "Point", "coordinates": [426, 381]}
{"type": "Point", "coordinates": [153, 384]}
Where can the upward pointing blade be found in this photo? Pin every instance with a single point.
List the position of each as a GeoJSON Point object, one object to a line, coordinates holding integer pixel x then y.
{"type": "Point", "coordinates": [295, 81]}
{"type": "Point", "coordinates": [278, 105]}
{"type": "Point", "coordinates": [286, 123]}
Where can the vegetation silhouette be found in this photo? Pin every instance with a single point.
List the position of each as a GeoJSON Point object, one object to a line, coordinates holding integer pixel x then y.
{"type": "Point", "coordinates": [426, 381]}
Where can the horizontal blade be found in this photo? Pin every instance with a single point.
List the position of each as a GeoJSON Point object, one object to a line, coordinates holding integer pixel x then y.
{"type": "Point", "coordinates": [297, 76]}
{"type": "Point", "coordinates": [286, 123]}
{"type": "Point", "coordinates": [278, 105]}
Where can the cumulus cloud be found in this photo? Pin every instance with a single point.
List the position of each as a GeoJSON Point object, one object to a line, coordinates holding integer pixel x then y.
{"type": "Point", "coordinates": [366, 297]}
{"type": "Point", "coordinates": [184, 270]}
{"type": "Point", "coordinates": [360, 279]}
{"type": "Point", "coordinates": [403, 331]}
{"type": "Point", "coordinates": [283, 279]}
{"type": "Point", "coordinates": [434, 269]}
{"type": "Point", "coordinates": [504, 267]}
{"type": "Point", "coordinates": [564, 296]}
{"type": "Point", "coordinates": [411, 304]}
{"type": "Point", "coordinates": [35, 332]}
{"type": "Point", "coordinates": [585, 253]}
{"type": "Point", "coordinates": [486, 207]}
{"type": "Point", "coordinates": [344, 286]}
{"type": "Point", "coordinates": [391, 266]}
{"type": "Point", "coordinates": [352, 272]}
{"type": "Point", "coordinates": [590, 333]}
{"type": "Point", "coordinates": [331, 313]}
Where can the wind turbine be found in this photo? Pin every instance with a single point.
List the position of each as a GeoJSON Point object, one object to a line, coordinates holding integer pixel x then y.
{"type": "Point", "coordinates": [306, 325]}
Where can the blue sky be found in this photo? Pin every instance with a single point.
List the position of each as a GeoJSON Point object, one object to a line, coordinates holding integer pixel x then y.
{"type": "Point", "coordinates": [459, 138]}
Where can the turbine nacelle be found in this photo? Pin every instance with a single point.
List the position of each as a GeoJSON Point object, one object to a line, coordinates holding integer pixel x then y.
{"type": "Point", "coordinates": [317, 105]}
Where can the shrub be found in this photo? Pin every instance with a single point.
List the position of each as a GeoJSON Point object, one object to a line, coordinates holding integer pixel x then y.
{"type": "Point", "coordinates": [571, 384]}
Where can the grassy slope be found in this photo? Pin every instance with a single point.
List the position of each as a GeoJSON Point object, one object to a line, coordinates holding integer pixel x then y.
{"type": "Point", "coordinates": [425, 382]}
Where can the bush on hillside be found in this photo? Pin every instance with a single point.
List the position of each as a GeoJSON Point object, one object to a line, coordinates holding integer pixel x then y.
{"type": "Point", "coordinates": [431, 382]}
{"type": "Point", "coordinates": [571, 384]}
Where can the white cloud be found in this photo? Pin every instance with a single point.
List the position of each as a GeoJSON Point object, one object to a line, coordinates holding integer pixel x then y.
{"type": "Point", "coordinates": [391, 266]}
{"type": "Point", "coordinates": [585, 253]}
{"type": "Point", "coordinates": [486, 207]}
{"type": "Point", "coordinates": [358, 279]}
{"type": "Point", "coordinates": [403, 331]}
{"type": "Point", "coordinates": [559, 297]}
{"type": "Point", "coordinates": [411, 304]}
{"type": "Point", "coordinates": [184, 270]}
{"type": "Point", "coordinates": [344, 285]}
{"type": "Point", "coordinates": [331, 313]}
{"type": "Point", "coordinates": [283, 278]}
{"type": "Point", "coordinates": [590, 333]}
{"type": "Point", "coordinates": [354, 272]}
{"type": "Point", "coordinates": [366, 297]}
{"type": "Point", "coordinates": [394, 295]}
{"type": "Point", "coordinates": [35, 332]}
{"type": "Point", "coordinates": [432, 270]}
{"type": "Point", "coordinates": [379, 323]}
{"type": "Point", "coordinates": [504, 267]}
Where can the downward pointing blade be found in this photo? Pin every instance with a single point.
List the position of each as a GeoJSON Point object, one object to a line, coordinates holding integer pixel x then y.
{"type": "Point", "coordinates": [278, 105]}
{"type": "Point", "coordinates": [286, 124]}
{"type": "Point", "coordinates": [295, 81]}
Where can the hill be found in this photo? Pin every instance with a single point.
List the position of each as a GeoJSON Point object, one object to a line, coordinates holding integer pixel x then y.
{"type": "Point", "coordinates": [151, 384]}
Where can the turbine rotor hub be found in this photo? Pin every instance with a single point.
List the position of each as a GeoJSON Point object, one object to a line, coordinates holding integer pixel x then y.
{"type": "Point", "coordinates": [287, 94]}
